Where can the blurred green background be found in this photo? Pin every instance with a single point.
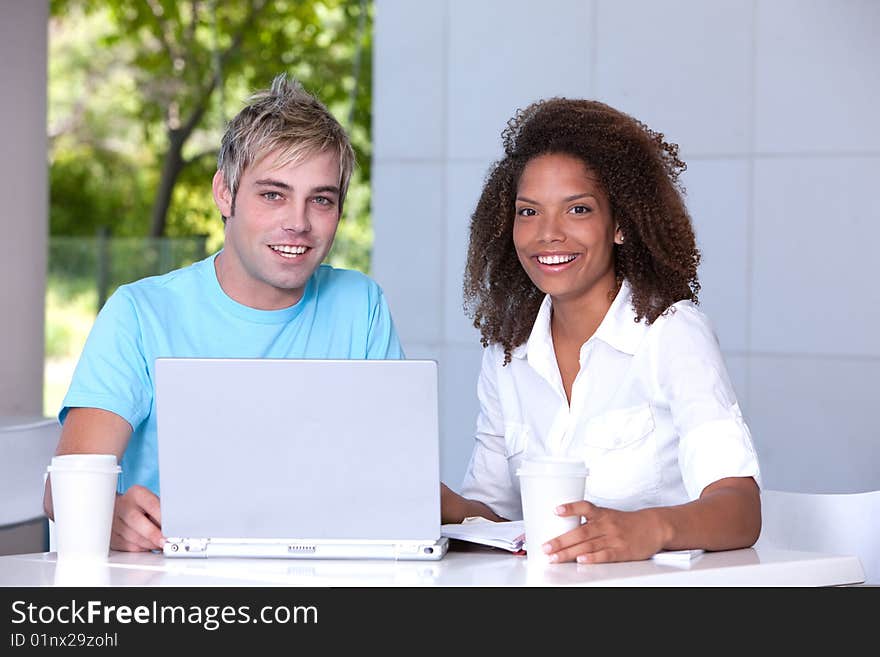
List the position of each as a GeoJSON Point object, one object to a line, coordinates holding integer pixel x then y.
{"type": "Point", "coordinates": [139, 95]}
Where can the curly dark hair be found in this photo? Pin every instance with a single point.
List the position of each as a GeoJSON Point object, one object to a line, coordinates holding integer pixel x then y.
{"type": "Point", "coordinates": [636, 168]}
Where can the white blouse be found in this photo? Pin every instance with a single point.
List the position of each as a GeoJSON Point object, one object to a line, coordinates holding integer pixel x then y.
{"type": "Point", "coordinates": [653, 413]}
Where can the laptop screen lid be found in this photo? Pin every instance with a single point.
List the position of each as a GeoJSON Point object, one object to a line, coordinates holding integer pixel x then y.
{"type": "Point", "coordinates": [298, 450]}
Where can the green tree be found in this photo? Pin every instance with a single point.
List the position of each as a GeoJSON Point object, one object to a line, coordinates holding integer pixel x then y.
{"type": "Point", "coordinates": [142, 89]}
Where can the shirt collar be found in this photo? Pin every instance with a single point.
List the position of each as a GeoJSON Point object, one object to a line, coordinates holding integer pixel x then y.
{"type": "Point", "coordinates": [618, 328]}
{"type": "Point", "coordinates": [539, 340]}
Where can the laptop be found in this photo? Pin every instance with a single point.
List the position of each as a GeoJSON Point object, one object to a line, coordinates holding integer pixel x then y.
{"type": "Point", "coordinates": [301, 459]}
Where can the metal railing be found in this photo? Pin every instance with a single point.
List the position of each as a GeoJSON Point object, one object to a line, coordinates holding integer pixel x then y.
{"type": "Point", "coordinates": [108, 262]}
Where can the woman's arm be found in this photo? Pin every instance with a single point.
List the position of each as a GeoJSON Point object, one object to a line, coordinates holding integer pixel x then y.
{"type": "Point", "coordinates": [454, 508]}
{"type": "Point", "coordinates": [726, 516]}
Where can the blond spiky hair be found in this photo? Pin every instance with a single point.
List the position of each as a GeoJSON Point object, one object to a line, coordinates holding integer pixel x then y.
{"type": "Point", "coordinates": [289, 122]}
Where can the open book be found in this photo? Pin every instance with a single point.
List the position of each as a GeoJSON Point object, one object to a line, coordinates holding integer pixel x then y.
{"type": "Point", "coordinates": [505, 535]}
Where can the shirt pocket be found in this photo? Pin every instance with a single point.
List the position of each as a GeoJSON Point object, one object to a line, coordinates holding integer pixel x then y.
{"type": "Point", "coordinates": [619, 448]}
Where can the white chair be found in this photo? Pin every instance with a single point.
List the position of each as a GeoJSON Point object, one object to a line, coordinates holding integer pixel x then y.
{"type": "Point", "coordinates": [26, 448]}
{"type": "Point", "coordinates": [834, 523]}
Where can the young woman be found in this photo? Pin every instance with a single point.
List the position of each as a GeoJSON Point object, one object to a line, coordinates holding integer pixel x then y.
{"type": "Point", "coordinates": [582, 279]}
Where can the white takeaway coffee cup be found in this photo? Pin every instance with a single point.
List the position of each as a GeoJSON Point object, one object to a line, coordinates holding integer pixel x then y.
{"type": "Point", "coordinates": [545, 483]}
{"type": "Point", "coordinates": [83, 496]}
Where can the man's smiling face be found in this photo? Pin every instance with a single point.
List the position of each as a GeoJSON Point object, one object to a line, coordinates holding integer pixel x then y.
{"type": "Point", "coordinates": [279, 228]}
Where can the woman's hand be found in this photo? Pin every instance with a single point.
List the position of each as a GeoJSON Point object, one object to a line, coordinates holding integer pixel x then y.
{"type": "Point", "coordinates": [607, 535]}
{"type": "Point", "coordinates": [727, 516]}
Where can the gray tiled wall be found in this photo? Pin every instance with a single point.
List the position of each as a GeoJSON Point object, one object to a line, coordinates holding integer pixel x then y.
{"type": "Point", "coordinates": [774, 104]}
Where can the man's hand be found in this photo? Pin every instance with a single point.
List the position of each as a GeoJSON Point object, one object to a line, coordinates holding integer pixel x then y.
{"type": "Point", "coordinates": [137, 521]}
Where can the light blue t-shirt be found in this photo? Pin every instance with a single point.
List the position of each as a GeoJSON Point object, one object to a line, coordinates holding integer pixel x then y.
{"type": "Point", "coordinates": [185, 313]}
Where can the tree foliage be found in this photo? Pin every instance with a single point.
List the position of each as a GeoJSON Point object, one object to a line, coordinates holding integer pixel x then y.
{"type": "Point", "coordinates": [141, 90]}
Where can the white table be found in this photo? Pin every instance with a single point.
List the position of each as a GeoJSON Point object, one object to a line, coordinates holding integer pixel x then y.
{"type": "Point", "coordinates": [459, 568]}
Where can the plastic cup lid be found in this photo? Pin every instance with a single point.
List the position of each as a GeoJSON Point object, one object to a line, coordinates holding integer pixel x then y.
{"type": "Point", "coordinates": [85, 462]}
{"type": "Point", "coordinates": [549, 466]}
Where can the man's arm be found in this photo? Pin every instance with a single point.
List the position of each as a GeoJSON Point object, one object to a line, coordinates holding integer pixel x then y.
{"type": "Point", "coordinates": [136, 516]}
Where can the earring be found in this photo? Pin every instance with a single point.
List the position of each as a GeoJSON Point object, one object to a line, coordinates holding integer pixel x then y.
{"type": "Point", "coordinates": [618, 237]}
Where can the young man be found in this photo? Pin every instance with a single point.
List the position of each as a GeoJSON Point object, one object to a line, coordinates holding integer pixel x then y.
{"type": "Point", "coordinates": [283, 171]}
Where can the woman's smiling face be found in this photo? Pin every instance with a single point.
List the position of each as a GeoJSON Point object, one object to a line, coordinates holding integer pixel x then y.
{"type": "Point", "coordinates": [563, 231]}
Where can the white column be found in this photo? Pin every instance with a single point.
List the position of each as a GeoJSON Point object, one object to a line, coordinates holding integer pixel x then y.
{"type": "Point", "coordinates": [24, 206]}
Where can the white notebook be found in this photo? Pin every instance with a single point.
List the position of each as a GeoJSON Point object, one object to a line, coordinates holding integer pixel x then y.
{"type": "Point", "coordinates": [508, 535]}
